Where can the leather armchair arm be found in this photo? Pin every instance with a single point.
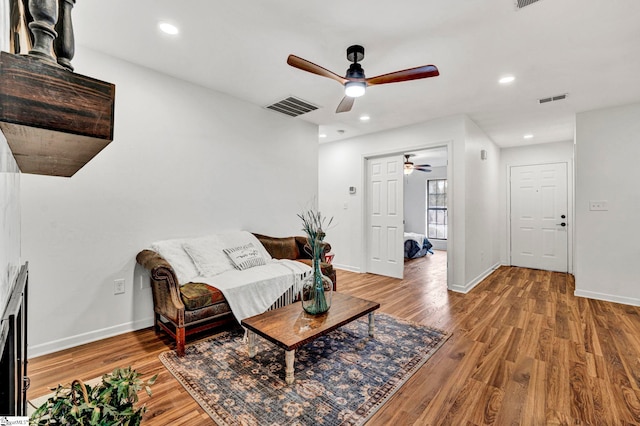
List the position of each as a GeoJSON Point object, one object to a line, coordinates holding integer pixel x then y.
{"type": "Point", "coordinates": [164, 286]}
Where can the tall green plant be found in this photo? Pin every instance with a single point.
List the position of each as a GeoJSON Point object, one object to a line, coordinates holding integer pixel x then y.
{"type": "Point", "coordinates": [111, 402]}
{"type": "Point", "coordinates": [312, 224]}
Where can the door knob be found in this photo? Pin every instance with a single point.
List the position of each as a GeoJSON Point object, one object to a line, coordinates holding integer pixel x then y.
{"type": "Point", "coordinates": [562, 216]}
{"type": "Point", "coordinates": [561, 224]}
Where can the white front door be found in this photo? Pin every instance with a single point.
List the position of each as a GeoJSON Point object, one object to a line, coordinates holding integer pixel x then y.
{"type": "Point", "coordinates": [385, 216]}
{"type": "Point", "coordinates": [539, 237]}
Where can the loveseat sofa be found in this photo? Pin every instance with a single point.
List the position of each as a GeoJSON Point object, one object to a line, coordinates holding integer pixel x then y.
{"type": "Point", "coordinates": [190, 276]}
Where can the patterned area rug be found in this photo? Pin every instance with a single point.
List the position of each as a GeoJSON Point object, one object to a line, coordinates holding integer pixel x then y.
{"type": "Point", "coordinates": [342, 378]}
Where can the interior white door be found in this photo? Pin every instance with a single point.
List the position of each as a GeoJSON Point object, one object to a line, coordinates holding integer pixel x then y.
{"type": "Point", "coordinates": [539, 237]}
{"type": "Point", "coordinates": [385, 216]}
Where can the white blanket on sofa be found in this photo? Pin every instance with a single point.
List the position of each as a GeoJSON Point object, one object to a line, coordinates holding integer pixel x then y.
{"type": "Point", "coordinates": [252, 291]}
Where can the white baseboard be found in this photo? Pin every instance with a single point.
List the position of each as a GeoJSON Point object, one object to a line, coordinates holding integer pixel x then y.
{"type": "Point", "coordinates": [470, 285]}
{"type": "Point", "coordinates": [346, 267]}
{"type": "Point", "coordinates": [92, 336]}
{"type": "Point", "coordinates": [439, 244]}
{"type": "Point", "coordinates": [607, 297]}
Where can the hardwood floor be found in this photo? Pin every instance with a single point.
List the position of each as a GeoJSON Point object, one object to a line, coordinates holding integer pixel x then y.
{"type": "Point", "coordinates": [524, 351]}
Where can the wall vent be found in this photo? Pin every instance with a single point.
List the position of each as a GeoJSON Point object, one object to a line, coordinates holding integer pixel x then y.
{"type": "Point", "coordinates": [524, 3]}
{"type": "Point", "coordinates": [553, 98]}
{"type": "Point", "coordinates": [292, 106]}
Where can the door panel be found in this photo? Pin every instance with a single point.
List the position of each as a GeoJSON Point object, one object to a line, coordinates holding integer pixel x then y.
{"type": "Point", "coordinates": [538, 201]}
{"type": "Point", "coordinates": [385, 214]}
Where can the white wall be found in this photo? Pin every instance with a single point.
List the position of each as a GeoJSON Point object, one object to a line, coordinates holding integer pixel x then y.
{"type": "Point", "coordinates": [557, 152]}
{"type": "Point", "coordinates": [414, 202]}
{"type": "Point", "coordinates": [481, 206]}
{"type": "Point", "coordinates": [607, 242]}
{"type": "Point", "coordinates": [185, 161]}
{"type": "Point", "coordinates": [5, 26]}
{"type": "Point", "coordinates": [9, 221]}
{"type": "Point", "coordinates": [341, 166]}
{"type": "Point", "coordinates": [9, 194]}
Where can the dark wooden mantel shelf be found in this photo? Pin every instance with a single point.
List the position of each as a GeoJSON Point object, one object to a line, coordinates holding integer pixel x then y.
{"type": "Point", "coordinates": [54, 120]}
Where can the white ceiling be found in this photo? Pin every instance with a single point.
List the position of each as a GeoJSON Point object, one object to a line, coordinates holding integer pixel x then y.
{"type": "Point", "coordinates": [589, 49]}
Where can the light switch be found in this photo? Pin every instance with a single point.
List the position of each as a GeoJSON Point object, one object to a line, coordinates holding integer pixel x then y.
{"type": "Point", "coordinates": [599, 205]}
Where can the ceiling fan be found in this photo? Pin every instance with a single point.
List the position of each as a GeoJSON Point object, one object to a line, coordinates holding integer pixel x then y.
{"type": "Point", "coordinates": [355, 82]}
{"type": "Point", "coordinates": [409, 167]}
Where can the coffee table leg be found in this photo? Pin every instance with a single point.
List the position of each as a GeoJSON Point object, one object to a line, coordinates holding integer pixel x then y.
{"type": "Point", "coordinates": [289, 356]}
{"type": "Point", "coordinates": [371, 323]}
{"type": "Point", "coordinates": [251, 336]}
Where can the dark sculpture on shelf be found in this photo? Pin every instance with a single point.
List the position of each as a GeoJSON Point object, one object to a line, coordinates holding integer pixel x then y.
{"type": "Point", "coordinates": [54, 120]}
{"type": "Point", "coordinates": [52, 31]}
{"type": "Point", "coordinates": [64, 45]}
{"type": "Point", "coordinates": [45, 16]}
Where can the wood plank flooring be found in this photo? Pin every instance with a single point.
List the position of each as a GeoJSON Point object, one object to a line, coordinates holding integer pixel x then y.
{"type": "Point", "coordinates": [524, 351]}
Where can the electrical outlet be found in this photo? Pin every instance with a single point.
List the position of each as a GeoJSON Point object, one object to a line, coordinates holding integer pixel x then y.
{"type": "Point", "coordinates": [599, 205]}
{"type": "Point", "coordinates": [118, 286]}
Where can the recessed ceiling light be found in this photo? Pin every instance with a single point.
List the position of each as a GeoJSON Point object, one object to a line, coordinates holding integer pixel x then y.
{"type": "Point", "coordinates": [168, 28]}
{"type": "Point", "coordinates": [506, 79]}
{"type": "Point", "coordinates": [322, 135]}
{"type": "Point", "coordinates": [528, 136]}
{"type": "Point", "coordinates": [365, 118]}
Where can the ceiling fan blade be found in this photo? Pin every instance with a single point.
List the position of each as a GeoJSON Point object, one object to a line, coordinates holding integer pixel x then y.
{"type": "Point", "coordinates": [423, 165]}
{"type": "Point", "coordinates": [345, 104]}
{"type": "Point", "coordinates": [405, 75]}
{"type": "Point", "coordinates": [421, 169]}
{"type": "Point", "coordinates": [305, 65]}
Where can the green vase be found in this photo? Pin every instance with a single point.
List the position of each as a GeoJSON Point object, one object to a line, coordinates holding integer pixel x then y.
{"type": "Point", "coordinates": [316, 290]}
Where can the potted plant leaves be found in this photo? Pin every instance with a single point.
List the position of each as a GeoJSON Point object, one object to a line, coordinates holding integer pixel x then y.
{"type": "Point", "coordinates": [110, 402]}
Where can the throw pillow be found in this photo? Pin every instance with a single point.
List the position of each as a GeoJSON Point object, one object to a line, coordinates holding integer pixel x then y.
{"type": "Point", "coordinates": [242, 238]}
{"type": "Point", "coordinates": [245, 257]}
{"type": "Point", "coordinates": [207, 255]}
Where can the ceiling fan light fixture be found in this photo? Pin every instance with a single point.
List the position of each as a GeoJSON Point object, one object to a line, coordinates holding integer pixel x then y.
{"type": "Point", "coordinates": [355, 83]}
{"type": "Point", "coordinates": [355, 89]}
{"type": "Point", "coordinates": [408, 168]}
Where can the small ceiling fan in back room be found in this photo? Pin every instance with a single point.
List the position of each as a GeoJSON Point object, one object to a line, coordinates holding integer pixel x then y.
{"type": "Point", "coordinates": [409, 167]}
{"type": "Point", "coordinates": [355, 82]}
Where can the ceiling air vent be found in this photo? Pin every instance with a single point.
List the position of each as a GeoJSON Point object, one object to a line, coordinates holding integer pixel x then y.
{"type": "Point", "coordinates": [292, 106]}
{"type": "Point", "coordinates": [523, 3]}
{"type": "Point", "coordinates": [553, 98]}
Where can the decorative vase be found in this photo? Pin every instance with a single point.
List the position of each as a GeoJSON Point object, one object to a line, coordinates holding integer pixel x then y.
{"type": "Point", "coordinates": [316, 290]}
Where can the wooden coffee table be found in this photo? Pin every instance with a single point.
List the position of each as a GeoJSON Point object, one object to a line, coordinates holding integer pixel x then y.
{"type": "Point", "coordinates": [290, 327]}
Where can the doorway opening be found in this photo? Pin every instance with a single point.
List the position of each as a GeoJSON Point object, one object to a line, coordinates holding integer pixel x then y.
{"type": "Point", "coordinates": [396, 204]}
